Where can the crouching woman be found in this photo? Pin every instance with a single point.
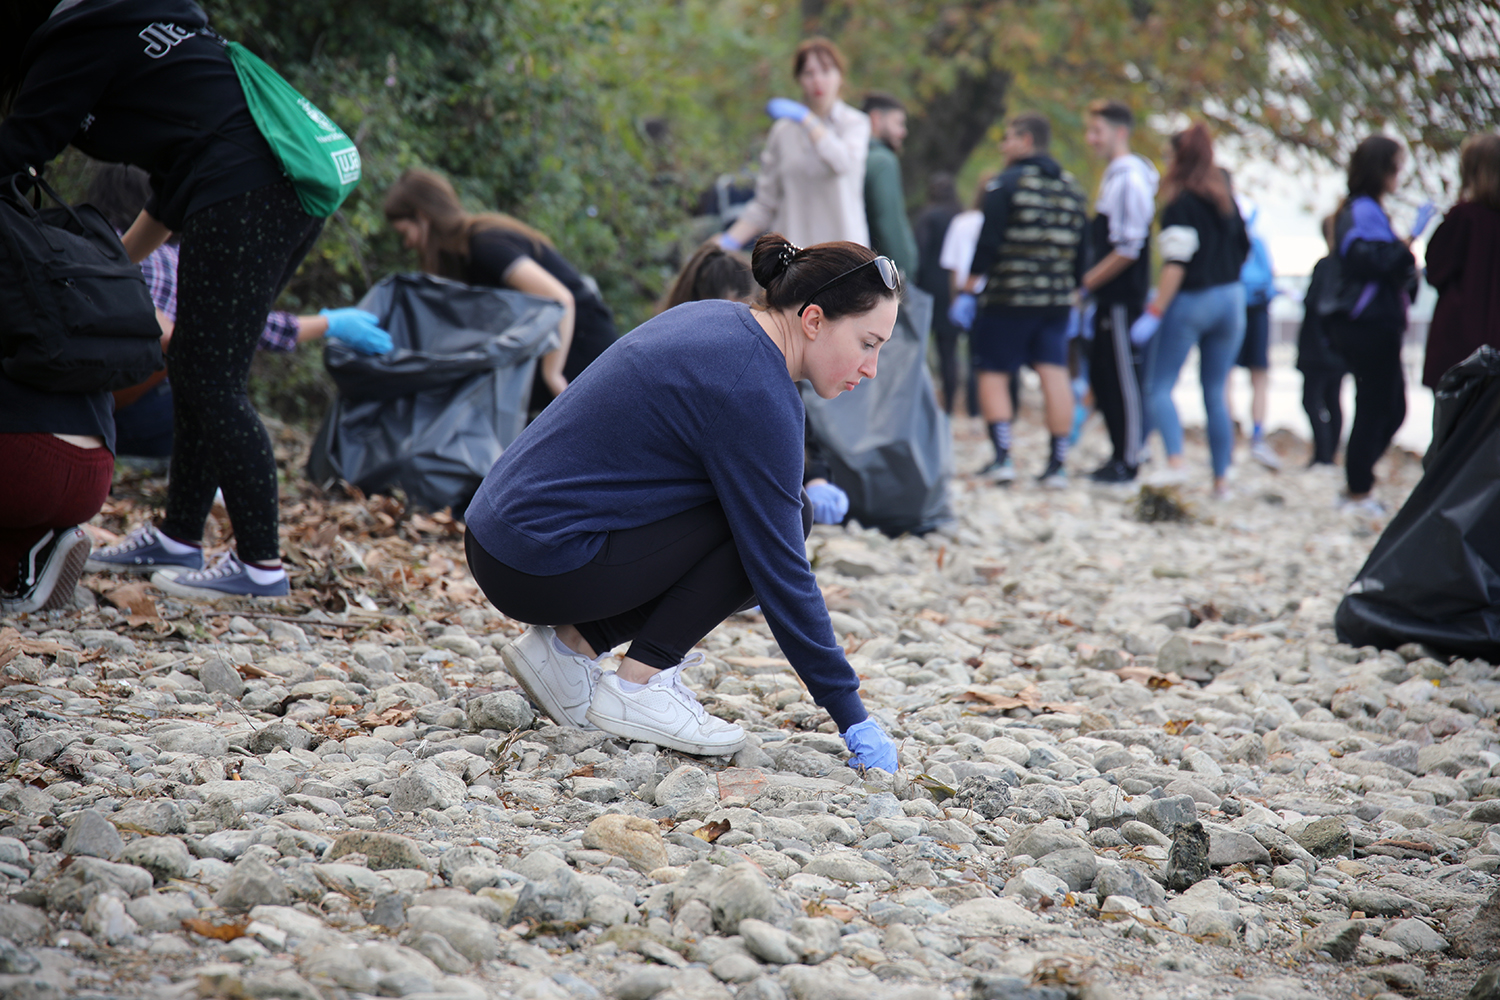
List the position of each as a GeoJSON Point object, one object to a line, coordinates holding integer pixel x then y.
{"type": "Point", "coordinates": [663, 492]}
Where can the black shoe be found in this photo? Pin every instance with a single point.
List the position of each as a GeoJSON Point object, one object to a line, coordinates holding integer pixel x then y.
{"type": "Point", "coordinates": [1112, 472]}
{"type": "Point", "coordinates": [49, 572]}
{"type": "Point", "coordinates": [1002, 471]}
{"type": "Point", "coordinates": [1055, 477]}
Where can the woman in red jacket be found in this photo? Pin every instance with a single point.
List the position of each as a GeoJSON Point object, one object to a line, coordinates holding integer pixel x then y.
{"type": "Point", "coordinates": [1463, 264]}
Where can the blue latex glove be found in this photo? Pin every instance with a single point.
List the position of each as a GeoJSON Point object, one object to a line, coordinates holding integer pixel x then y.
{"type": "Point", "coordinates": [829, 503]}
{"type": "Point", "coordinates": [785, 107]}
{"type": "Point", "coordinates": [727, 242]}
{"type": "Point", "coordinates": [961, 312]}
{"type": "Point", "coordinates": [871, 746]}
{"type": "Point", "coordinates": [1143, 329]}
{"type": "Point", "coordinates": [1424, 216]}
{"type": "Point", "coordinates": [358, 329]}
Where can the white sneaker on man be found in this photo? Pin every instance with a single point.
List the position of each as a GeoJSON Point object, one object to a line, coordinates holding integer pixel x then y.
{"type": "Point", "coordinates": [663, 711]}
{"type": "Point", "coordinates": [561, 684]}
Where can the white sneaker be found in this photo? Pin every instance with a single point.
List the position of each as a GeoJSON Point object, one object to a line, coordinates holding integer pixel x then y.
{"type": "Point", "coordinates": [1168, 476]}
{"type": "Point", "coordinates": [561, 685]}
{"type": "Point", "coordinates": [664, 712]}
{"type": "Point", "coordinates": [1263, 453]}
{"type": "Point", "coordinates": [1368, 507]}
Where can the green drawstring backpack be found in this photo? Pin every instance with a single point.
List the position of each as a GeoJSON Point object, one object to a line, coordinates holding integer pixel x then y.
{"type": "Point", "coordinates": [319, 159]}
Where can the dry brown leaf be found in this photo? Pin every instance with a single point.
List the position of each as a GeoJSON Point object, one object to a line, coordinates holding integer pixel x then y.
{"type": "Point", "coordinates": [393, 716]}
{"type": "Point", "coordinates": [219, 932]}
{"type": "Point", "coordinates": [12, 643]}
{"type": "Point", "coordinates": [134, 599]}
{"type": "Point", "coordinates": [711, 832]}
{"type": "Point", "coordinates": [1029, 698]}
{"type": "Point", "coordinates": [586, 771]}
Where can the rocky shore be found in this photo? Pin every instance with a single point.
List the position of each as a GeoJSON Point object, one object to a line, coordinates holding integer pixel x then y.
{"type": "Point", "coordinates": [1136, 763]}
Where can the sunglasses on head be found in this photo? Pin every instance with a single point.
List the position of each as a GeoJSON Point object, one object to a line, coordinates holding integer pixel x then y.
{"type": "Point", "coordinates": [883, 265]}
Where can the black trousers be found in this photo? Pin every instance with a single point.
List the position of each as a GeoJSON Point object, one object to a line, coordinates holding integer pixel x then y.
{"type": "Point", "coordinates": [237, 256]}
{"type": "Point", "coordinates": [1374, 359]}
{"type": "Point", "coordinates": [1116, 374]}
{"type": "Point", "coordinates": [661, 587]}
{"type": "Point", "coordinates": [1320, 398]}
{"type": "Point", "coordinates": [946, 335]}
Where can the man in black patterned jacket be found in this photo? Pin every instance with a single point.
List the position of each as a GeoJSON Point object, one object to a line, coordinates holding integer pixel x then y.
{"type": "Point", "coordinates": [1031, 257]}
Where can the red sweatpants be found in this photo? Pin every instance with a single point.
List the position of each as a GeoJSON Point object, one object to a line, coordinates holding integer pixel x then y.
{"type": "Point", "coordinates": [51, 484]}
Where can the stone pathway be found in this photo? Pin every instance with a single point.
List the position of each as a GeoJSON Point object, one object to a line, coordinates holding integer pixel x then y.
{"type": "Point", "coordinates": [1135, 764]}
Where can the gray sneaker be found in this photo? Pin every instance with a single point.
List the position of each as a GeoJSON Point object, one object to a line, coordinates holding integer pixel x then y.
{"type": "Point", "coordinates": [224, 579]}
{"type": "Point", "coordinates": [142, 551]}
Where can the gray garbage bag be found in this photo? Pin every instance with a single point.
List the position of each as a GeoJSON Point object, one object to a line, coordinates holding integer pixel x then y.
{"type": "Point", "coordinates": [434, 414]}
{"type": "Point", "coordinates": [1434, 574]}
{"type": "Point", "coordinates": [888, 444]}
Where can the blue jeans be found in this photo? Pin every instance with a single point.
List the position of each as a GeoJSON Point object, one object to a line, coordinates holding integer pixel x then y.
{"type": "Point", "coordinates": [1213, 320]}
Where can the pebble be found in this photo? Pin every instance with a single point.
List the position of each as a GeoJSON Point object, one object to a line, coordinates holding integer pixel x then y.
{"type": "Point", "coordinates": [92, 835]}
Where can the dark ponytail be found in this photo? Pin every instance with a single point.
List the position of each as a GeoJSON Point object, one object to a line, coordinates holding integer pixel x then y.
{"type": "Point", "coordinates": [790, 274]}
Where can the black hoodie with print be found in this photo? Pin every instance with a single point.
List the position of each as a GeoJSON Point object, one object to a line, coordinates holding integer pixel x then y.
{"type": "Point", "coordinates": [141, 82]}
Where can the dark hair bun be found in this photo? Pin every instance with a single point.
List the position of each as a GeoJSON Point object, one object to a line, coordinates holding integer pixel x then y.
{"type": "Point", "coordinates": [772, 255]}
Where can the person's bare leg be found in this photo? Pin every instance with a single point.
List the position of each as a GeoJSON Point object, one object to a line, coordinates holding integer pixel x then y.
{"type": "Point", "coordinates": [629, 669]}
{"type": "Point", "coordinates": [1057, 397]}
{"type": "Point", "coordinates": [574, 640]}
{"type": "Point", "coordinates": [994, 396]}
{"type": "Point", "coordinates": [1260, 395]}
{"type": "Point", "coordinates": [635, 670]}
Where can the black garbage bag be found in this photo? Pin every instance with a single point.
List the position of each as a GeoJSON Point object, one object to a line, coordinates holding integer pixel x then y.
{"type": "Point", "coordinates": [888, 444]}
{"type": "Point", "coordinates": [1434, 575]}
{"type": "Point", "coordinates": [434, 414]}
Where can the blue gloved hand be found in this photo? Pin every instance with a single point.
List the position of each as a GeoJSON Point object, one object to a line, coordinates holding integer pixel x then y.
{"type": "Point", "coordinates": [961, 312]}
{"type": "Point", "coordinates": [1143, 329]}
{"type": "Point", "coordinates": [785, 107]}
{"type": "Point", "coordinates": [358, 329]}
{"type": "Point", "coordinates": [727, 242]}
{"type": "Point", "coordinates": [871, 746]}
{"type": "Point", "coordinates": [1424, 216]}
{"type": "Point", "coordinates": [829, 503]}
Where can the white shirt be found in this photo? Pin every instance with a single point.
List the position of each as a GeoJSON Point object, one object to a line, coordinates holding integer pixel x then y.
{"type": "Point", "coordinates": [959, 244]}
{"type": "Point", "coordinates": [1127, 197]}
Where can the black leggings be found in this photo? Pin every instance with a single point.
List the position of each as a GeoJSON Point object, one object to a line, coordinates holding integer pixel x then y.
{"type": "Point", "coordinates": [237, 256]}
{"type": "Point", "coordinates": [661, 587]}
{"type": "Point", "coordinates": [946, 335]}
{"type": "Point", "coordinates": [1320, 398]}
{"type": "Point", "coordinates": [1374, 359]}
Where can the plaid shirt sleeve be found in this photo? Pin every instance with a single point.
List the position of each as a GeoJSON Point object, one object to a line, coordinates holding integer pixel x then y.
{"type": "Point", "coordinates": [160, 271]}
{"type": "Point", "coordinates": [280, 333]}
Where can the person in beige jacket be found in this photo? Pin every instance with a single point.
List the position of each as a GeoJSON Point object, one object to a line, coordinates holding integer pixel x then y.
{"type": "Point", "coordinates": [811, 187]}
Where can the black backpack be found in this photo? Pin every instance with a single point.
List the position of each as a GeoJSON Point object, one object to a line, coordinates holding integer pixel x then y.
{"type": "Point", "coordinates": [75, 314]}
